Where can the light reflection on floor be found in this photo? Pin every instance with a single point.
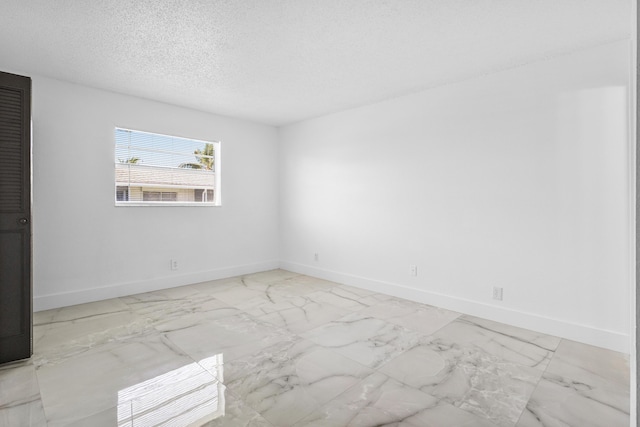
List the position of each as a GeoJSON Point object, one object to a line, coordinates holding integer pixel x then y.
{"type": "Point", "coordinates": [190, 395]}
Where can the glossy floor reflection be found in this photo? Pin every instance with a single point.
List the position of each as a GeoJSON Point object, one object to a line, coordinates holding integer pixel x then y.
{"type": "Point", "coordinates": [281, 349]}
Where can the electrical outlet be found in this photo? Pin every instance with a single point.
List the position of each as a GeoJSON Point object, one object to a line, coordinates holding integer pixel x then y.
{"type": "Point", "coordinates": [316, 257]}
{"type": "Point", "coordinates": [413, 270]}
{"type": "Point", "coordinates": [174, 264]}
{"type": "Point", "coordinates": [497, 293]}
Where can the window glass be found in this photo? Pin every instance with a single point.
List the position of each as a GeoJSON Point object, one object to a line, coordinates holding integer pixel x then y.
{"type": "Point", "coordinates": [159, 169]}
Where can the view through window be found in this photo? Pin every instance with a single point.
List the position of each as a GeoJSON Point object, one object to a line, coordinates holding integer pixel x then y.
{"type": "Point", "coordinates": [154, 169]}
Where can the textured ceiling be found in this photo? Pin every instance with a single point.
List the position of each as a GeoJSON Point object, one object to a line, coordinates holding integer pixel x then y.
{"type": "Point", "coordinates": [281, 61]}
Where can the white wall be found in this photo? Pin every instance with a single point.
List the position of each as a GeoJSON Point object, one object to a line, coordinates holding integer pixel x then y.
{"type": "Point", "coordinates": [517, 179]}
{"type": "Point", "coordinates": [86, 249]}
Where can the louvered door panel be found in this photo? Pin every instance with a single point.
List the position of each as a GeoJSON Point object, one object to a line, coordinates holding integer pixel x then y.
{"type": "Point", "coordinates": [11, 158]}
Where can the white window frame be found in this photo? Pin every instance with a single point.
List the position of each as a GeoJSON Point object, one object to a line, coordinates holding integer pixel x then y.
{"type": "Point", "coordinates": [217, 195]}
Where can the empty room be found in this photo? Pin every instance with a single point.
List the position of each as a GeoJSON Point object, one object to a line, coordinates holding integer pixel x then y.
{"type": "Point", "coordinates": [413, 213]}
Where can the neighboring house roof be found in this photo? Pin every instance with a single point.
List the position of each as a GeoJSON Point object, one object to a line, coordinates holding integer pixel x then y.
{"type": "Point", "coordinates": [148, 176]}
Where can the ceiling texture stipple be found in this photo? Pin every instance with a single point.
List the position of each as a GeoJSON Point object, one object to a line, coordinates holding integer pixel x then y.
{"type": "Point", "coordinates": [282, 61]}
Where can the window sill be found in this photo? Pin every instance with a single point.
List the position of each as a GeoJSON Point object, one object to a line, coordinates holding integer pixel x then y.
{"type": "Point", "coordinates": [168, 204]}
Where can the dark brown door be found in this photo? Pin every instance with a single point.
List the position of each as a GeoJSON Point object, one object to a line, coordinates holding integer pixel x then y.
{"type": "Point", "coordinates": [15, 217]}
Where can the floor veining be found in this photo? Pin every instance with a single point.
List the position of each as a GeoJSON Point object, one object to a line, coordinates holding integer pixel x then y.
{"type": "Point", "coordinates": [281, 349]}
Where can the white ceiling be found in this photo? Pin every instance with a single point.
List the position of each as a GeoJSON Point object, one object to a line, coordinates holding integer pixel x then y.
{"type": "Point", "coordinates": [281, 61]}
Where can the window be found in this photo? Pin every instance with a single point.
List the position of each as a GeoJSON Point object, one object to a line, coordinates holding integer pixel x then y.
{"type": "Point", "coordinates": [122, 194]}
{"type": "Point", "coordinates": [154, 169]}
{"type": "Point", "coordinates": [203, 195]}
{"type": "Point", "coordinates": [159, 196]}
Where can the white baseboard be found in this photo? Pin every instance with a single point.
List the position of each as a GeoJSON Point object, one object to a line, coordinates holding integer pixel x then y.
{"type": "Point", "coordinates": [561, 328]}
{"type": "Point", "coordinates": [63, 299]}
{"type": "Point", "coordinates": [583, 333]}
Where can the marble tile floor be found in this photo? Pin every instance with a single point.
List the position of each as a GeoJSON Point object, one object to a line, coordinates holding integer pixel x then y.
{"type": "Point", "coordinates": [281, 349]}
